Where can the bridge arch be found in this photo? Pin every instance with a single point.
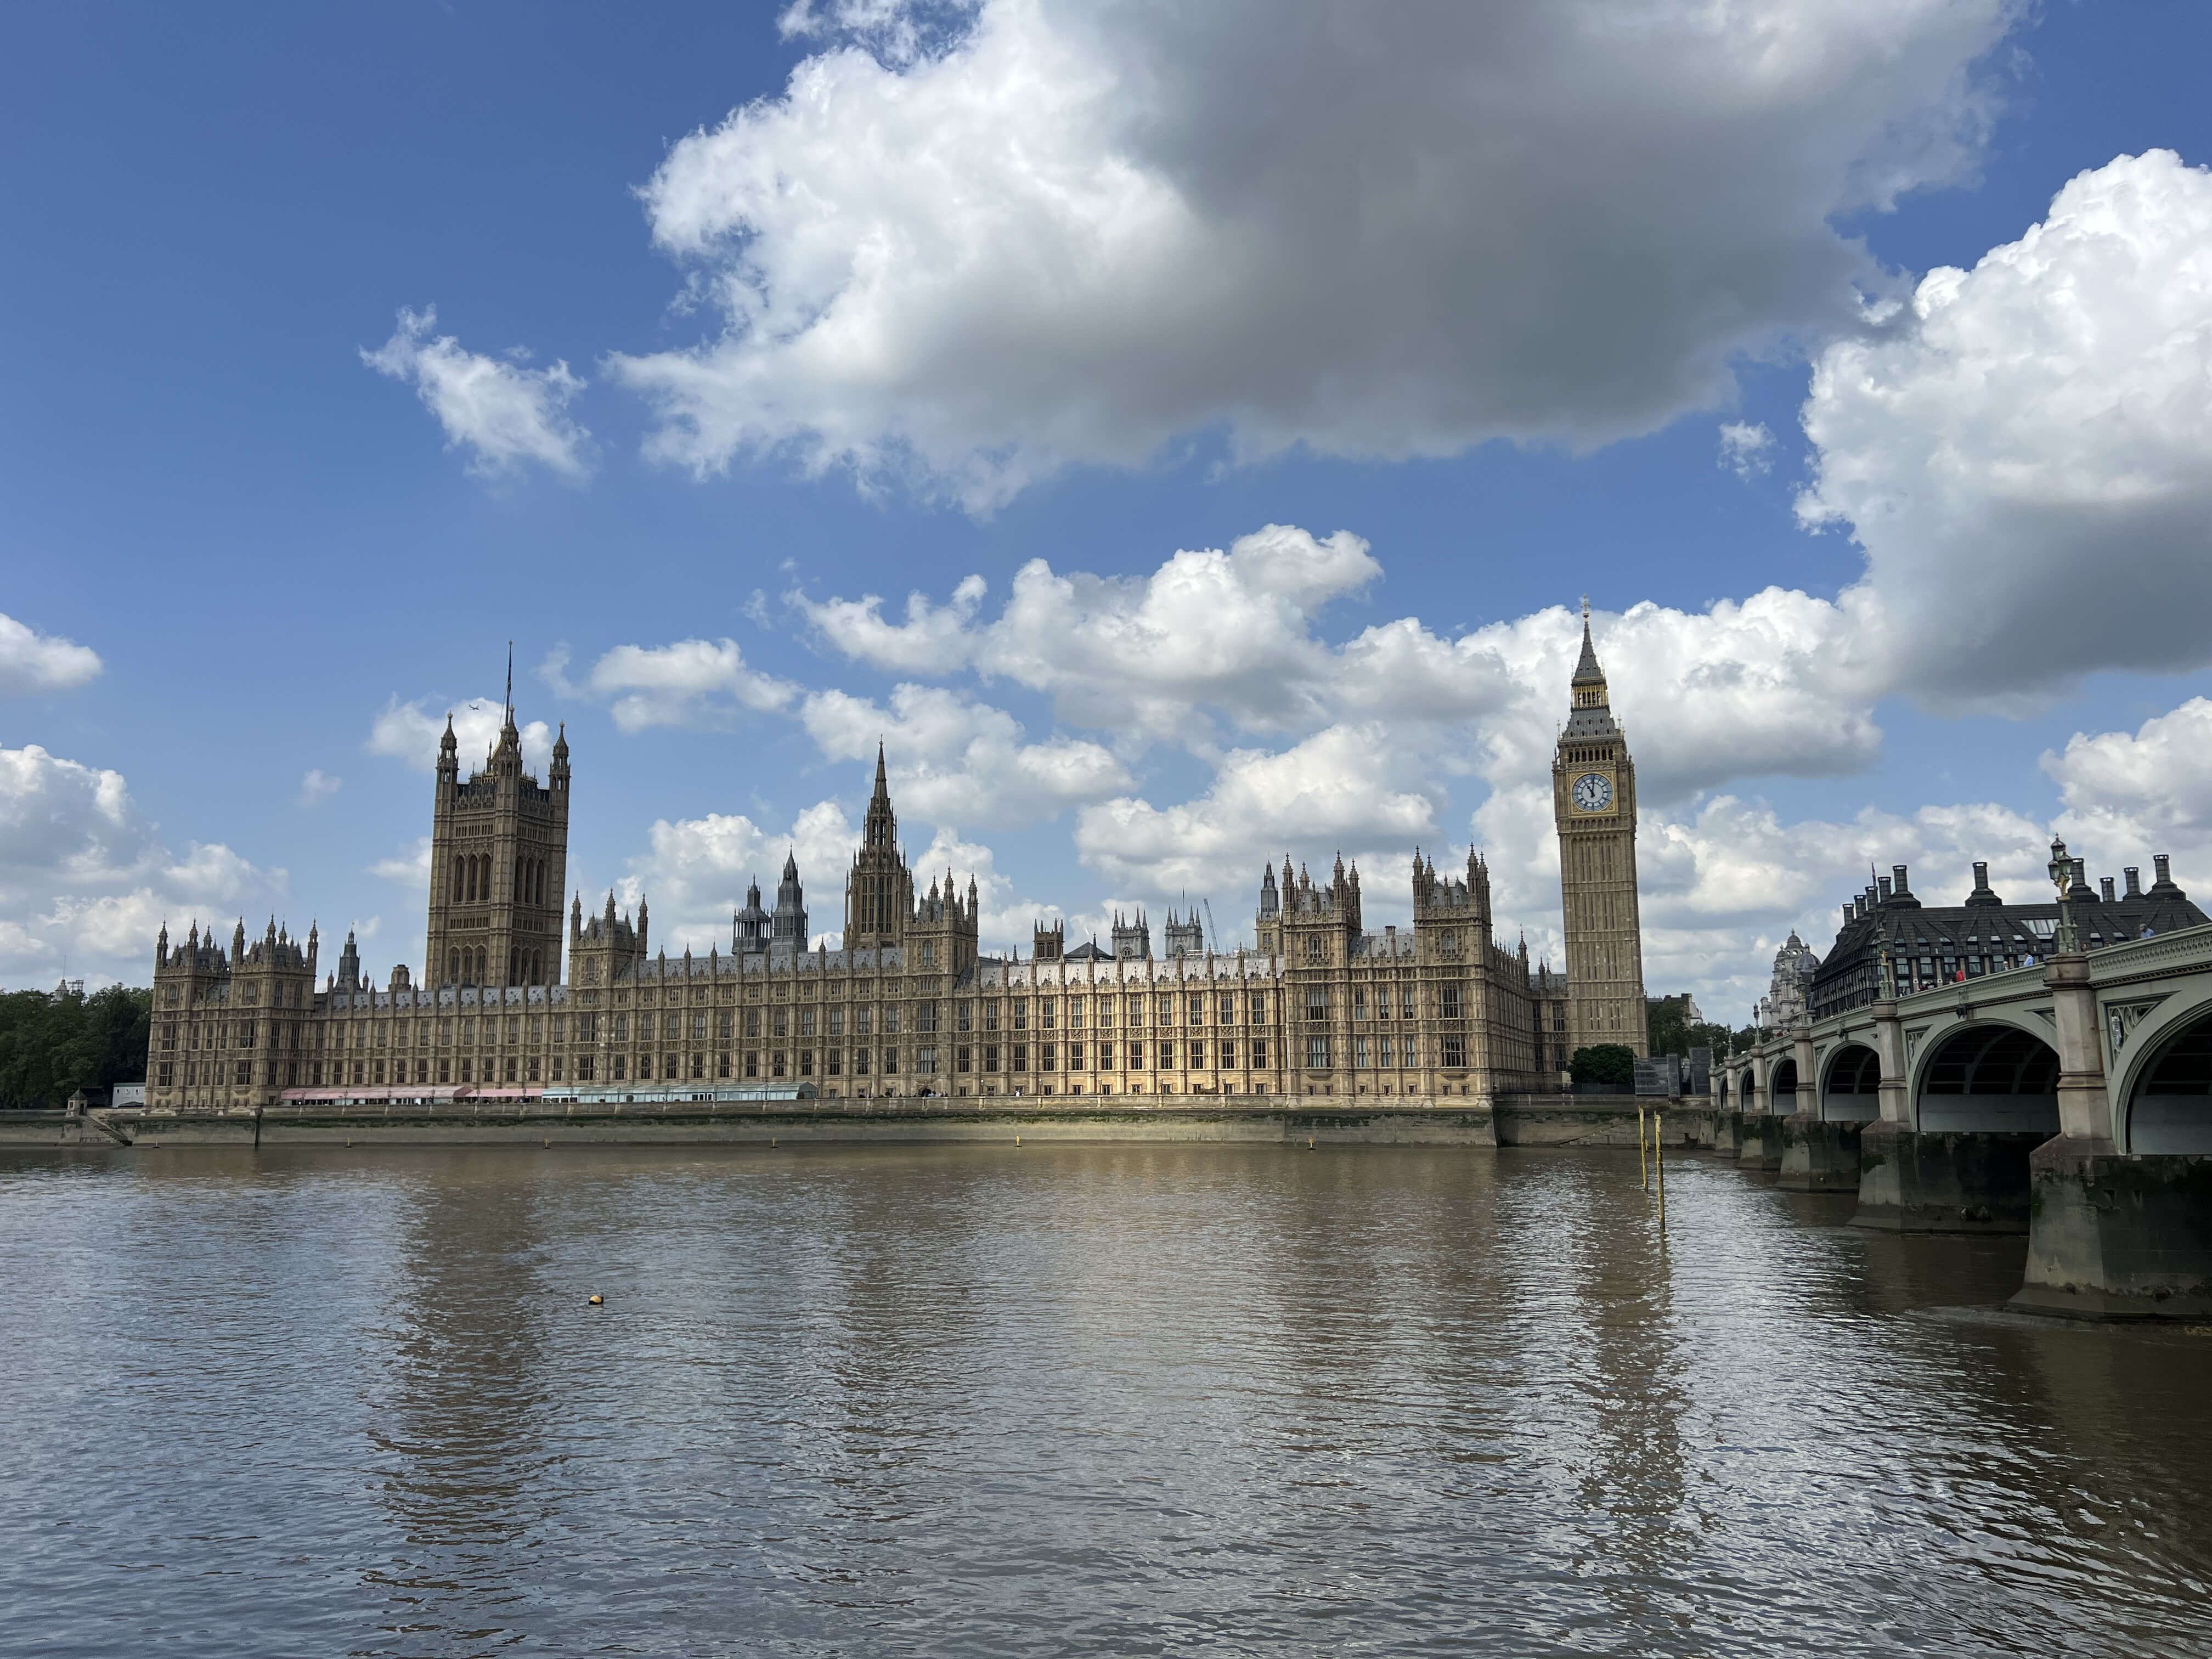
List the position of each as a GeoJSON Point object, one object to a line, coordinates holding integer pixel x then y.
{"type": "Point", "coordinates": [1747, 1083]}
{"type": "Point", "coordinates": [2168, 1104]}
{"type": "Point", "coordinates": [1782, 1086]}
{"type": "Point", "coordinates": [1987, 1077]}
{"type": "Point", "coordinates": [1851, 1084]}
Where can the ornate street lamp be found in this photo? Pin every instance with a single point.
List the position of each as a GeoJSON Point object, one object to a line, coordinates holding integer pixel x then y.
{"type": "Point", "coordinates": [2064, 873]}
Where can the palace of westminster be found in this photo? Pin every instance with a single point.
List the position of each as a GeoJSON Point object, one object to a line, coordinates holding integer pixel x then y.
{"type": "Point", "coordinates": [907, 1004]}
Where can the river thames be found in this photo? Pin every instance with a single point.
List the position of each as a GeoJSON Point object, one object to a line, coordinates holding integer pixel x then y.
{"type": "Point", "coordinates": [1075, 1399]}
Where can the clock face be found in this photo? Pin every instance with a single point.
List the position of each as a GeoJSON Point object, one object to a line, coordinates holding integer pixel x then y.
{"type": "Point", "coordinates": [1593, 791]}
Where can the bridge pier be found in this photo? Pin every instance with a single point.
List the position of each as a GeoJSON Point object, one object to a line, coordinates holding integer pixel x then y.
{"type": "Point", "coordinates": [1818, 1155]}
{"type": "Point", "coordinates": [2112, 1235]}
{"type": "Point", "coordinates": [1759, 1142]}
{"type": "Point", "coordinates": [1913, 1181]}
{"type": "Point", "coordinates": [1728, 1133]}
{"type": "Point", "coordinates": [2118, 1238]}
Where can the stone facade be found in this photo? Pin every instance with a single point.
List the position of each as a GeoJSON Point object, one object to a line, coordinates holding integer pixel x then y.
{"type": "Point", "coordinates": [1789, 992]}
{"type": "Point", "coordinates": [1594, 805]}
{"type": "Point", "coordinates": [908, 1005]}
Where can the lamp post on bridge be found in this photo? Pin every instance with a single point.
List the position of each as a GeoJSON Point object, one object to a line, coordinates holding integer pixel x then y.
{"type": "Point", "coordinates": [2064, 873]}
{"type": "Point", "coordinates": [2084, 1111]}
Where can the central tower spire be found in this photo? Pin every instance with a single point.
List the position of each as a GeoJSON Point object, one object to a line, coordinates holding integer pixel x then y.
{"type": "Point", "coordinates": [880, 893]}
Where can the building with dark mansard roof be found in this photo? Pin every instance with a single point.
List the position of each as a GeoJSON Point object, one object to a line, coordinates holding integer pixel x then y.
{"type": "Point", "coordinates": [1926, 945]}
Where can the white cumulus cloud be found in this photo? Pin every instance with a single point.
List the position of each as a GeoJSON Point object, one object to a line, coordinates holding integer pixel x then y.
{"type": "Point", "coordinates": [1232, 631]}
{"type": "Point", "coordinates": [696, 872]}
{"type": "Point", "coordinates": [1746, 448]}
{"type": "Point", "coordinates": [409, 731]}
{"type": "Point", "coordinates": [2141, 791]}
{"type": "Point", "coordinates": [955, 760]}
{"type": "Point", "coordinates": [509, 415]}
{"type": "Point", "coordinates": [1075, 232]}
{"type": "Point", "coordinates": [86, 881]}
{"type": "Point", "coordinates": [32, 661]}
{"type": "Point", "coordinates": [2026, 455]}
{"type": "Point", "coordinates": [688, 683]}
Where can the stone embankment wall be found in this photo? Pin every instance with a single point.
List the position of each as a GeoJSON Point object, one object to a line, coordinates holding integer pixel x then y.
{"type": "Point", "coordinates": [1563, 1120]}
{"type": "Point", "coordinates": [1257, 1120]}
{"type": "Point", "coordinates": [58, 1130]}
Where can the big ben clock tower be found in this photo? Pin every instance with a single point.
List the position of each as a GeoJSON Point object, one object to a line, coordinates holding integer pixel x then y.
{"type": "Point", "coordinates": [1594, 802]}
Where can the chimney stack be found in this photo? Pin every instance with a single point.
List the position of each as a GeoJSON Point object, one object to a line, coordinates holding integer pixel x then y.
{"type": "Point", "coordinates": [1882, 882]}
{"type": "Point", "coordinates": [2104, 888]}
{"type": "Point", "coordinates": [1982, 895]}
{"type": "Point", "coordinates": [2134, 874]}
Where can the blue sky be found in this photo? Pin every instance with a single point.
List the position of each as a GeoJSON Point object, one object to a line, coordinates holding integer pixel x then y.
{"type": "Point", "coordinates": [973, 287]}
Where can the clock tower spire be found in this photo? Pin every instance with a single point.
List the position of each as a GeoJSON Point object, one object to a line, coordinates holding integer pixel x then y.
{"type": "Point", "coordinates": [1594, 805]}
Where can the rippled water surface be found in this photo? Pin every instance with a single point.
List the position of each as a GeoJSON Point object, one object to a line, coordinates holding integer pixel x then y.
{"type": "Point", "coordinates": [1108, 1399]}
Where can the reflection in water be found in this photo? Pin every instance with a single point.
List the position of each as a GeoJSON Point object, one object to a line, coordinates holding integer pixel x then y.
{"type": "Point", "coordinates": [965, 1400]}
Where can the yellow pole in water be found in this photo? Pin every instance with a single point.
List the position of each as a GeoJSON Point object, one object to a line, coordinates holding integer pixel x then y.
{"type": "Point", "coordinates": [1642, 1158]}
{"type": "Point", "coordinates": [1659, 1162]}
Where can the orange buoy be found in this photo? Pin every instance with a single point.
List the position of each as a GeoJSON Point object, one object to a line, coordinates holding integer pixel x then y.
{"type": "Point", "coordinates": [599, 1301]}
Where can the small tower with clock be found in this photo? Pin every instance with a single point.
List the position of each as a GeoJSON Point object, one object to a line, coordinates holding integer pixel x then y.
{"type": "Point", "coordinates": [1594, 804]}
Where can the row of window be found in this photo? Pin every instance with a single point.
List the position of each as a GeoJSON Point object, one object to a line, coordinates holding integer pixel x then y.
{"type": "Point", "coordinates": [721, 1024]}
{"type": "Point", "coordinates": [1450, 1003]}
{"type": "Point", "coordinates": [1317, 948]}
{"type": "Point", "coordinates": [1382, 1053]}
{"type": "Point", "coordinates": [292, 995]}
{"type": "Point", "coordinates": [1452, 1052]}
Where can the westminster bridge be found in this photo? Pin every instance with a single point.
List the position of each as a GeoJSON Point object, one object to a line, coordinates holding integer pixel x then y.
{"type": "Point", "coordinates": [2071, 1100]}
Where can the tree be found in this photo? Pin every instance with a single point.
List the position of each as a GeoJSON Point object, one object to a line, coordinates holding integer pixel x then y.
{"type": "Point", "coordinates": [1665, 1026]}
{"type": "Point", "coordinates": [1669, 1029]}
{"type": "Point", "coordinates": [1605, 1063]}
{"type": "Point", "coordinates": [54, 1043]}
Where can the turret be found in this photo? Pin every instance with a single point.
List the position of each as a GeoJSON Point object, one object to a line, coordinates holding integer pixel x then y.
{"type": "Point", "coordinates": [749, 928]}
{"type": "Point", "coordinates": [790, 922]}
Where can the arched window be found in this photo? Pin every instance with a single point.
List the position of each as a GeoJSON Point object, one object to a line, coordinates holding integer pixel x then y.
{"type": "Point", "coordinates": [480, 964]}
{"type": "Point", "coordinates": [453, 966]}
{"type": "Point", "coordinates": [453, 894]}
